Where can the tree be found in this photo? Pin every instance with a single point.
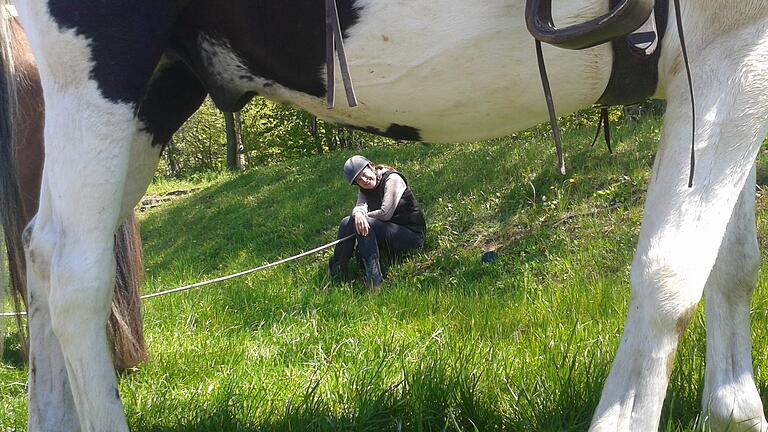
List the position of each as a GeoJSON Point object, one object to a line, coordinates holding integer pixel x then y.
{"type": "Point", "coordinates": [233, 142]}
{"type": "Point", "coordinates": [170, 154]}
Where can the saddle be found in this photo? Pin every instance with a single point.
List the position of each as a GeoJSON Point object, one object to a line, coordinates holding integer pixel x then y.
{"type": "Point", "coordinates": [631, 28]}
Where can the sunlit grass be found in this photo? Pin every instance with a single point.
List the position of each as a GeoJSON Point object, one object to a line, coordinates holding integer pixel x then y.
{"type": "Point", "coordinates": [522, 344]}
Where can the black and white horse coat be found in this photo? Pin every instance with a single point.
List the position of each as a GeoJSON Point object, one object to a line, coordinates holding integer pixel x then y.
{"type": "Point", "coordinates": [120, 77]}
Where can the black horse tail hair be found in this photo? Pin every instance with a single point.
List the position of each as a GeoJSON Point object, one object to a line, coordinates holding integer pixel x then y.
{"type": "Point", "coordinates": [10, 198]}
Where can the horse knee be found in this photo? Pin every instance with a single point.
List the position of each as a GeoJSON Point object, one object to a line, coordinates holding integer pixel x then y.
{"type": "Point", "coordinates": [748, 260]}
{"type": "Point", "coordinates": [39, 242]}
{"type": "Point", "coordinates": [82, 278]}
{"type": "Point", "coordinates": [666, 296]}
{"type": "Point", "coordinates": [739, 272]}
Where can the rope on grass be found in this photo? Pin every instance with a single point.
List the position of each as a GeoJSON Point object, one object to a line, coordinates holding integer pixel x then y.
{"type": "Point", "coordinates": [223, 278]}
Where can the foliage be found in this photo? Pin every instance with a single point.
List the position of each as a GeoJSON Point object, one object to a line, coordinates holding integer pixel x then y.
{"type": "Point", "coordinates": [199, 145]}
{"type": "Point", "coordinates": [275, 132]}
{"type": "Point", "coordinates": [272, 133]}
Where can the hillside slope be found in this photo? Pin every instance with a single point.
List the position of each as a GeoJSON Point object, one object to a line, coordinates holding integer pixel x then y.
{"type": "Point", "coordinates": [451, 344]}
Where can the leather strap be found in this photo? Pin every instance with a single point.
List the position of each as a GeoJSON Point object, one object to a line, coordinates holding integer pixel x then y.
{"type": "Point", "coordinates": [550, 107]}
{"type": "Point", "coordinates": [603, 124]}
{"type": "Point", "coordinates": [334, 45]}
{"type": "Point", "coordinates": [645, 40]}
{"type": "Point", "coordinates": [679, 22]}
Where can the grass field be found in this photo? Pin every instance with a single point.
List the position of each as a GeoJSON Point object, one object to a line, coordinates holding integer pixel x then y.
{"type": "Point", "coordinates": [451, 344]}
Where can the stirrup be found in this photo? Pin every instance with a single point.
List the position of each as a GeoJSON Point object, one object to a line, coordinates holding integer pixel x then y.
{"type": "Point", "coordinates": [644, 41]}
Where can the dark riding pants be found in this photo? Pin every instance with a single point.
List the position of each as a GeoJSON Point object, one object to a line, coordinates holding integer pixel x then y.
{"type": "Point", "coordinates": [388, 236]}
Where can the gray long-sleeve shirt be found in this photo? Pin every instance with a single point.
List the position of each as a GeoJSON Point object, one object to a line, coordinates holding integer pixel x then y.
{"type": "Point", "coordinates": [393, 191]}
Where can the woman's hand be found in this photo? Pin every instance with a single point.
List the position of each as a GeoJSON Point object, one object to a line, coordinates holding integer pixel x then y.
{"type": "Point", "coordinates": [361, 223]}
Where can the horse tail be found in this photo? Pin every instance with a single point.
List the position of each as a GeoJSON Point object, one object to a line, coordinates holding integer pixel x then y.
{"type": "Point", "coordinates": [3, 277]}
{"type": "Point", "coordinates": [11, 219]}
{"type": "Point", "coordinates": [125, 325]}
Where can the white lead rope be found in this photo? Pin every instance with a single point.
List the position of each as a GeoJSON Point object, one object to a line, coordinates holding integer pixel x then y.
{"type": "Point", "coordinates": [223, 278]}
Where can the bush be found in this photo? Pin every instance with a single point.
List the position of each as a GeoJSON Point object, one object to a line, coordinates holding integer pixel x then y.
{"type": "Point", "coordinates": [272, 132]}
{"type": "Point", "coordinates": [269, 133]}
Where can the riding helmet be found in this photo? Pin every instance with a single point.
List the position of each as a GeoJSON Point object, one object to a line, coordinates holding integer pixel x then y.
{"type": "Point", "coordinates": [354, 166]}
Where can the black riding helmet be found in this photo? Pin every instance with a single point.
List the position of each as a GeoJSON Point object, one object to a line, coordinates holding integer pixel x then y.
{"type": "Point", "coordinates": [354, 166]}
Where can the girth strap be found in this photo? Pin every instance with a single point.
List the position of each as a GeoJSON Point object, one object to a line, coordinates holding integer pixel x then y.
{"type": "Point", "coordinates": [604, 124]}
{"type": "Point", "coordinates": [550, 108]}
{"type": "Point", "coordinates": [334, 45]}
{"type": "Point", "coordinates": [634, 71]}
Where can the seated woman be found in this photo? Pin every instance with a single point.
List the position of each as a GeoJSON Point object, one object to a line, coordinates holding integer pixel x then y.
{"type": "Point", "coordinates": [386, 216]}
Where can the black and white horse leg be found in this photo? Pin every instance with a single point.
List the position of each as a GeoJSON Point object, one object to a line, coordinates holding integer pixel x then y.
{"type": "Point", "coordinates": [730, 400]}
{"type": "Point", "coordinates": [683, 228]}
{"type": "Point", "coordinates": [119, 159]}
{"type": "Point", "coordinates": [83, 267]}
{"type": "Point", "coordinates": [98, 156]}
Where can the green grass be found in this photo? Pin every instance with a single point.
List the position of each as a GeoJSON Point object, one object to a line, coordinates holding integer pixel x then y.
{"type": "Point", "coordinates": [451, 344]}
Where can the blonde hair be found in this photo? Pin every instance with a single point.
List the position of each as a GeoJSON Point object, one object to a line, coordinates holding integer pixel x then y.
{"type": "Point", "coordinates": [383, 167]}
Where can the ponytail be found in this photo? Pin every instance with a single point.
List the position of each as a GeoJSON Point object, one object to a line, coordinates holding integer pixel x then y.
{"type": "Point", "coordinates": [383, 167]}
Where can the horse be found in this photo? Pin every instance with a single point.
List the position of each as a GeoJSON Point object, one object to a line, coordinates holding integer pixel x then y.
{"type": "Point", "coordinates": [120, 77]}
{"type": "Point", "coordinates": [124, 327]}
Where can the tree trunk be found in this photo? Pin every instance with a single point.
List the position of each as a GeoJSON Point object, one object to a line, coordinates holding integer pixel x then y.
{"type": "Point", "coordinates": [233, 143]}
{"type": "Point", "coordinates": [173, 164]}
{"type": "Point", "coordinates": [313, 126]}
{"type": "Point", "coordinates": [240, 146]}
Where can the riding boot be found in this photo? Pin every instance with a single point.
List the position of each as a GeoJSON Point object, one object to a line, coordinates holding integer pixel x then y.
{"type": "Point", "coordinates": [373, 278]}
{"type": "Point", "coordinates": [336, 269]}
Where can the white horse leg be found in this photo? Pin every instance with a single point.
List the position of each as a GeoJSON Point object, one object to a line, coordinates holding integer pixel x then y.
{"type": "Point", "coordinates": [51, 406]}
{"type": "Point", "coordinates": [683, 228]}
{"type": "Point", "coordinates": [98, 161]}
{"type": "Point", "coordinates": [86, 170]}
{"type": "Point", "coordinates": [731, 401]}
{"type": "Point", "coordinates": [92, 147]}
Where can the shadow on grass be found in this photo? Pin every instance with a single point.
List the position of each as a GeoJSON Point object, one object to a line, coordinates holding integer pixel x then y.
{"type": "Point", "coordinates": [13, 356]}
{"type": "Point", "coordinates": [438, 393]}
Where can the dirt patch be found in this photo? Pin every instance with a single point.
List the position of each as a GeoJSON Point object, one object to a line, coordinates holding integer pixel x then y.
{"type": "Point", "coordinates": [152, 201]}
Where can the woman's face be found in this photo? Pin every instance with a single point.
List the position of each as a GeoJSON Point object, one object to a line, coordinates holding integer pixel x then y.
{"type": "Point", "coordinates": [366, 179]}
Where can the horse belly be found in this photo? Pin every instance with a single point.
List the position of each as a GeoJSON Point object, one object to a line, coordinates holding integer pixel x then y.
{"type": "Point", "coordinates": [466, 71]}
